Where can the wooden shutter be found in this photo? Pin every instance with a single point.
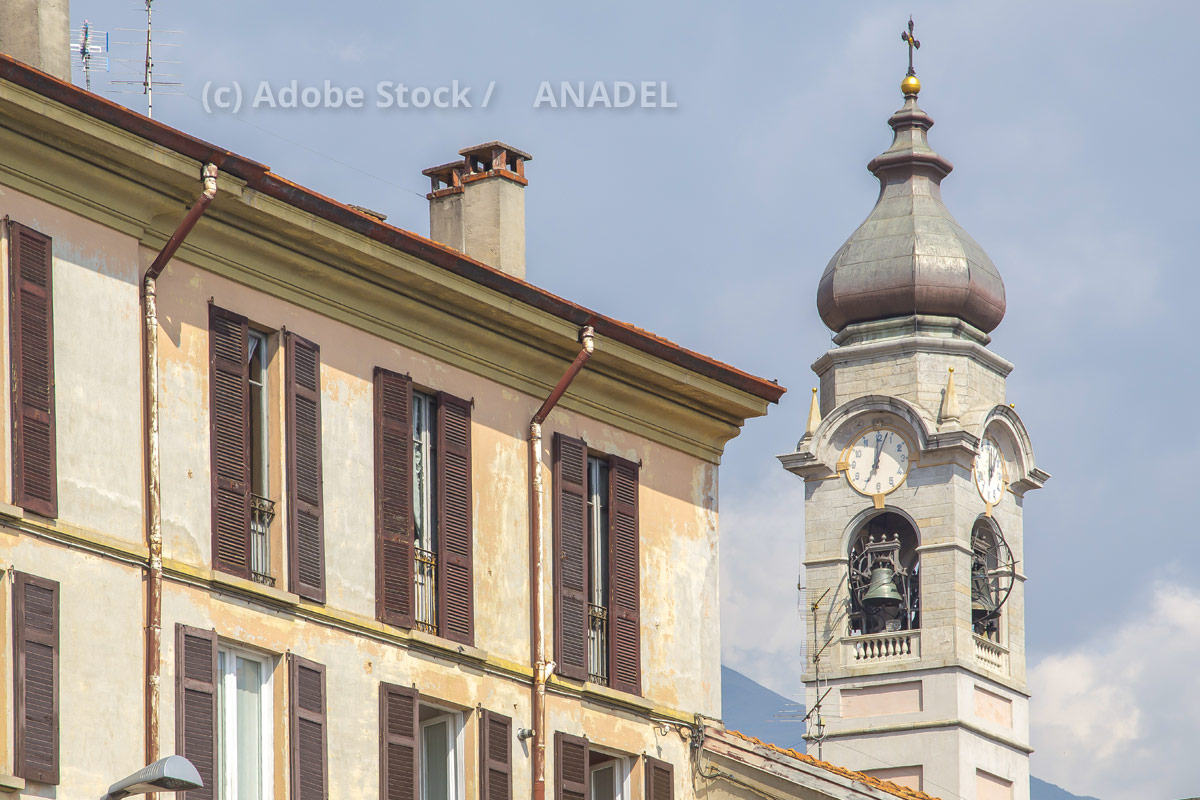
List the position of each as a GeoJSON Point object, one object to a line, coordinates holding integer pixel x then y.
{"type": "Point", "coordinates": [394, 585]}
{"type": "Point", "coordinates": [229, 428]}
{"type": "Point", "coordinates": [35, 672]}
{"type": "Point", "coordinates": [455, 573]}
{"type": "Point", "coordinates": [571, 780]}
{"type": "Point", "coordinates": [495, 756]}
{"type": "Point", "coordinates": [307, 728]}
{"type": "Point", "coordinates": [399, 755]}
{"type": "Point", "coordinates": [660, 780]}
{"type": "Point", "coordinates": [306, 534]}
{"type": "Point", "coordinates": [570, 556]}
{"type": "Point", "coordinates": [35, 471]}
{"type": "Point", "coordinates": [624, 579]}
{"type": "Point", "coordinates": [196, 705]}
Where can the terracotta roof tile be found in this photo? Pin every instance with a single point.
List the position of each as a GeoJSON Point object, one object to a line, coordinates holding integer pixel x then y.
{"type": "Point", "coordinates": [860, 777]}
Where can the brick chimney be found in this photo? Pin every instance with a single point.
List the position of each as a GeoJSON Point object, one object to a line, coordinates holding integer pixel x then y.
{"type": "Point", "coordinates": [477, 205]}
{"type": "Point", "coordinates": [38, 32]}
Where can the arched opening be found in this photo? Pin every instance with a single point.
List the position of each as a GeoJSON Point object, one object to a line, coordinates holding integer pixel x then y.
{"type": "Point", "coordinates": [885, 585]}
{"type": "Point", "coordinates": [992, 572]}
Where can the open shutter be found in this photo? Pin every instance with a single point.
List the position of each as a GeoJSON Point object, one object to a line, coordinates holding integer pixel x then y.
{"type": "Point", "coordinates": [495, 756]}
{"type": "Point", "coordinates": [660, 780]}
{"type": "Point", "coordinates": [393, 499]}
{"type": "Point", "coordinates": [35, 668]}
{"type": "Point", "coordinates": [196, 705]}
{"type": "Point", "coordinates": [35, 472]}
{"type": "Point", "coordinates": [625, 652]}
{"type": "Point", "coordinates": [398, 751]}
{"type": "Point", "coordinates": [307, 728]}
{"type": "Point", "coordinates": [306, 533]}
{"type": "Point", "coordinates": [456, 578]}
{"type": "Point", "coordinates": [229, 428]}
{"type": "Point", "coordinates": [570, 556]}
{"type": "Point", "coordinates": [571, 768]}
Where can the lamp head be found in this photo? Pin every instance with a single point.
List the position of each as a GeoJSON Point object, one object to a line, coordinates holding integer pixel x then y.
{"type": "Point", "coordinates": [170, 774]}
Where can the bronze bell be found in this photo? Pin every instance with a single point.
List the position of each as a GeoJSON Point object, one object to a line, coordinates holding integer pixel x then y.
{"type": "Point", "coordinates": [882, 590]}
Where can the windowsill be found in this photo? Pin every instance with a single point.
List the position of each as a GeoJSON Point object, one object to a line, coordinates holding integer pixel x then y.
{"type": "Point", "coordinates": [600, 693]}
{"type": "Point", "coordinates": [253, 588]}
{"type": "Point", "coordinates": [433, 643]}
{"type": "Point", "coordinates": [11, 783]}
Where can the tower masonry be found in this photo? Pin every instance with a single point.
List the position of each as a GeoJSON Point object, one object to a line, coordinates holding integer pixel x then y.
{"type": "Point", "coordinates": [915, 469]}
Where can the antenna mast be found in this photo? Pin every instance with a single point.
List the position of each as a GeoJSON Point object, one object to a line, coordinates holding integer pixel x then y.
{"type": "Point", "coordinates": [86, 45]}
{"type": "Point", "coordinates": [148, 82]}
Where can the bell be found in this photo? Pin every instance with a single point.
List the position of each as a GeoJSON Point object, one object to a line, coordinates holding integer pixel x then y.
{"type": "Point", "coordinates": [882, 590]}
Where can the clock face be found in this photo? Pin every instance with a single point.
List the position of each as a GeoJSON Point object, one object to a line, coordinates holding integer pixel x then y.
{"type": "Point", "coordinates": [989, 471]}
{"type": "Point", "coordinates": [877, 461]}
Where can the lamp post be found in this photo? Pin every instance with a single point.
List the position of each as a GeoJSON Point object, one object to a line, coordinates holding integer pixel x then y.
{"type": "Point", "coordinates": [170, 774]}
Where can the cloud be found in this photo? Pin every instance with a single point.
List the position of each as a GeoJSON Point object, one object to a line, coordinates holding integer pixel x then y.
{"type": "Point", "coordinates": [1117, 716]}
{"type": "Point", "coordinates": [762, 534]}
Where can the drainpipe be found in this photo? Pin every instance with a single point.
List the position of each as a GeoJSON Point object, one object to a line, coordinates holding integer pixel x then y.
{"type": "Point", "coordinates": [153, 478]}
{"type": "Point", "coordinates": [542, 669]}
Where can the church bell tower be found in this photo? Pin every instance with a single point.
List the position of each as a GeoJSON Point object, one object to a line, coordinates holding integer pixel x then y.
{"type": "Point", "coordinates": [915, 470]}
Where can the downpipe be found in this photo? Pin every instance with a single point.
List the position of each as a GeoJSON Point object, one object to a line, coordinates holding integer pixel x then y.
{"type": "Point", "coordinates": [542, 670]}
{"type": "Point", "coordinates": [153, 472]}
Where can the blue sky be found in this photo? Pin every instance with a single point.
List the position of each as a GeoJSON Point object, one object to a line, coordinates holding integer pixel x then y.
{"type": "Point", "coordinates": [1071, 126]}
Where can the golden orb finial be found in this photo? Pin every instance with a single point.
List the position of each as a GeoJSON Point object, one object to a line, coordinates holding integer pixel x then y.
{"type": "Point", "coordinates": [910, 85]}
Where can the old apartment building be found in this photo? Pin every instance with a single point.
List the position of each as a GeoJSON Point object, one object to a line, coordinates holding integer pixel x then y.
{"type": "Point", "coordinates": [331, 509]}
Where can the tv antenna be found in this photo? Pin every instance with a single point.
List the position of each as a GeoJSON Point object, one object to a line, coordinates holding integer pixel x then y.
{"type": "Point", "coordinates": [89, 45]}
{"type": "Point", "coordinates": [148, 81]}
{"type": "Point", "coordinates": [815, 718]}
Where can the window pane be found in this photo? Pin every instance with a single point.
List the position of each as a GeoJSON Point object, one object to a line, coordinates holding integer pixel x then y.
{"type": "Point", "coordinates": [604, 782]}
{"type": "Point", "coordinates": [436, 761]}
{"type": "Point", "coordinates": [223, 720]}
{"type": "Point", "coordinates": [249, 729]}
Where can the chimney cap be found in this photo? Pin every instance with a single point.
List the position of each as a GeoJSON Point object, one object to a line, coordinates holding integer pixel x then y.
{"type": "Point", "coordinates": [450, 166]}
{"type": "Point", "coordinates": [488, 147]}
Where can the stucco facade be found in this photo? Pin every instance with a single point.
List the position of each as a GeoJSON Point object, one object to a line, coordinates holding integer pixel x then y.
{"type": "Point", "coordinates": [108, 188]}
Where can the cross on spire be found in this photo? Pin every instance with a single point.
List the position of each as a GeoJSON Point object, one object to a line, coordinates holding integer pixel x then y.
{"type": "Point", "coordinates": [913, 44]}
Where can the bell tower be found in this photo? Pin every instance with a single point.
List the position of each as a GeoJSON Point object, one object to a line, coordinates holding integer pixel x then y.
{"type": "Point", "coordinates": [915, 470]}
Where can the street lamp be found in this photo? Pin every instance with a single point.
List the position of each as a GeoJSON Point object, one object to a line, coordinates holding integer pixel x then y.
{"type": "Point", "coordinates": [170, 774]}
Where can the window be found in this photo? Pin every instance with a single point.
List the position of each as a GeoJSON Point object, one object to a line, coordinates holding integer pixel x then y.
{"type": "Point", "coordinates": [262, 509]}
{"type": "Point", "coordinates": [884, 577]}
{"type": "Point", "coordinates": [597, 570]}
{"type": "Point", "coordinates": [607, 776]}
{"type": "Point", "coordinates": [597, 566]}
{"type": "Point", "coordinates": [35, 678]}
{"type": "Point", "coordinates": [421, 749]}
{"type": "Point", "coordinates": [440, 745]}
{"type": "Point", "coordinates": [243, 725]}
{"type": "Point", "coordinates": [423, 509]}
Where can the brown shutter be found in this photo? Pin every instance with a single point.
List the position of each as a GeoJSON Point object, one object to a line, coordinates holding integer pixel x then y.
{"type": "Point", "coordinates": [35, 472]}
{"type": "Point", "coordinates": [456, 576]}
{"type": "Point", "coordinates": [571, 768]}
{"type": "Point", "coordinates": [196, 705]}
{"type": "Point", "coordinates": [229, 428]}
{"type": "Point", "coordinates": [394, 585]}
{"type": "Point", "coordinates": [660, 780]}
{"type": "Point", "coordinates": [570, 556]}
{"type": "Point", "coordinates": [307, 728]}
{"type": "Point", "coordinates": [306, 534]}
{"type": "Point", "coordinates": [495, 756]}
{"type": "Point", "coordinates": [398, 751]}
{"type": "Point", "coordinates": [35, 672]}
{"type": "Point", "coordinates": [624, 604]}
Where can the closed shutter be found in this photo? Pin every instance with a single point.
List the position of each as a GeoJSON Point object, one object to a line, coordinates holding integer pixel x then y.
{"type": "Point", "coordinates": [35, 668]}
{"type": "Point", "coordinates": [196, 705]}
{"type": "Point", "coordinates": [571, 768]}
{"type": "Point", "coordinates": [570, 556]}
{"type": "Point", "coordinates": [495, 756]}
{"type": "Point", "coordinates": [307, 728]}
{"type": "Point", "coordinates": [625, 652]}
{"type": "Point", "coordinates": [306, 534]}
{"type": "Point", "coordinates": [454, 586]}
{"type": "Point", "coordinates": [229, 427]}
{"type": "Point", "coordinates": [398, 751]}
{"type": "Point", "coordinates": [660, 780]}
{"type": "Point", "coordinates": [35, 471]}
{"type": "Point", "coordinates": [393, 499]}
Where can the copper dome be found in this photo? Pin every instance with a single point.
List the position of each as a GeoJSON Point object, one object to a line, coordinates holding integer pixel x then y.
{"type": "Point", "coordinates": [910, 256]}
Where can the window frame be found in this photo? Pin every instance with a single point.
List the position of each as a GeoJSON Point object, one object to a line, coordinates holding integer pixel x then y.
{"type": "Point", "coordinates": [225, 745]}
{"type": "Point", "coordinates": [599, 521]}
{"type": "Point", "coordinates": [622, 766]}
{"type": "Point", "coordinates": [456, 773]}
{"type": "Point", "coordinates": [423, 410]}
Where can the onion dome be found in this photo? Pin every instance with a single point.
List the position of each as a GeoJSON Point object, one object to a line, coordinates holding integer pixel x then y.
{"type": "Point", "coordinates": [910, 256]}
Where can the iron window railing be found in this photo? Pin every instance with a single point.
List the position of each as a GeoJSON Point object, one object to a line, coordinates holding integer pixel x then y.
{"type": "Point", "coordinates": [598, 644]}
{"type": "Point", "coordinates": [262, 512]}
{"type": "Point", "coordinates": [426, 576]}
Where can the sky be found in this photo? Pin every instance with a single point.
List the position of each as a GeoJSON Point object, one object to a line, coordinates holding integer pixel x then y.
{"type": "Point", "coordinates": [1071, 126]}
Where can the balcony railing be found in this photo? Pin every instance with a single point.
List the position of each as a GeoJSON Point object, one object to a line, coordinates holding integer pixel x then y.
{"type": "Point", "coordinates": [262, 512]}
{"type": "Point", "coordinates": [426, 576]}
{"type": "Point", "coordinates": [991, 655]}
{"type": "Point", "coordinates": [598, 644]}
{"type": "Point", "coordinates": [881, 647]}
